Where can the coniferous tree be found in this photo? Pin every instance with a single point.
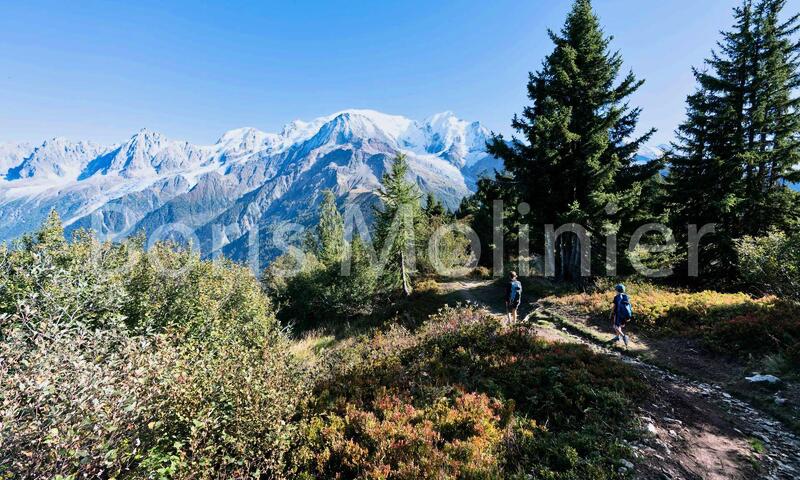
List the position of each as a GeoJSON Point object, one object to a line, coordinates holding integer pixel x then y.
{"type": "Point", "coordinates": [334, 281]}
{"type": "Point", "coordinates": [773, 141]}
{"type": "Point", "coordinates": [330, 231]}
{"type": "Point", "coordinates": [397, 224]}
{"type": "Point", "coordinates": [576, 156]}
{"type": "Point", "coordinates": [434, 207]}
{"type": "Point", "coordinates": [735, 153]}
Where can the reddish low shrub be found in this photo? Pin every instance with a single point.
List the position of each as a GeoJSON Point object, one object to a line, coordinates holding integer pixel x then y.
{"type": "Point", "coordinates": [393, 439]}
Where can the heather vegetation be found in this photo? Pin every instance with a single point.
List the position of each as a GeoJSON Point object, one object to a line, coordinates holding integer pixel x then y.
{"type": "Point", "coordinates": [465, 397]}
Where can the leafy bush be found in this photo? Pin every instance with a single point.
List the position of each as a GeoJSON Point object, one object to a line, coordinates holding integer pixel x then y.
{"type": "Point", "coordinates": [76, 401]}
{"type": "Point", "coordinates": [97, 402]}
{"type": "Point", "coordinates": [329, 281]}
{"type": "Point", "coordinates": [773, 328]}
{"type": "Point", "coordinates": [318, 293]}
{"type": "Point", "coordinates": [45, 277]}
{"type": "Point", "coordinates": [119, 362]}
{"type": "Point", "coordinates": [481, 272]}
{"type": "Point", "coordinates": [772, 263]}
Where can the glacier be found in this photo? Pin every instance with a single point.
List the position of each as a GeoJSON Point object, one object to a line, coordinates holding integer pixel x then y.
{"type": "Point", "coordinates": [247, 180]}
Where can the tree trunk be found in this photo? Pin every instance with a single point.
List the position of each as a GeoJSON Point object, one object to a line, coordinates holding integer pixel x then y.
{"type": "Point", "coordinates": [575, 270]}
{"type": "Point", "coordinates": [406, 286]}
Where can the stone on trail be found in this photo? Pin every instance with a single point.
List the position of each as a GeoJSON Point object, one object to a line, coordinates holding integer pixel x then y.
{"type": "Point", "coordinates": [763, 378]}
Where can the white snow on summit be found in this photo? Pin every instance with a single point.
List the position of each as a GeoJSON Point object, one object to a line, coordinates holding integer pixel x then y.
{"type": "Point", "coordinates": [160, 180]}
{"type": "Point", "coordinates": [651, 152]}
{"type": "Point", "coordinates": [12, 154]}
{"type": "Point", "coordinates": [57, 160]}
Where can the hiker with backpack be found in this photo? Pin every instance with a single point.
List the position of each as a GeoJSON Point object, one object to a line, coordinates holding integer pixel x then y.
{"type": "Point", "coordinates": [621, 314]}
{"type": "Point", "coordinates": [513, 296]}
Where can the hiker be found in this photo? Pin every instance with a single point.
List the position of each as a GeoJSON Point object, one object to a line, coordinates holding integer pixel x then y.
{"type": "Point", "coordinates": [620, 314]}
{"type": "Point", "coordinates": [513, 296]}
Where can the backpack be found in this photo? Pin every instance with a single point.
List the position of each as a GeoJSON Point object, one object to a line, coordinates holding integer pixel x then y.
{"type": "Point", "coordinates": [624, 310]}
{"type": "Point", "coordinates": [516, 291]}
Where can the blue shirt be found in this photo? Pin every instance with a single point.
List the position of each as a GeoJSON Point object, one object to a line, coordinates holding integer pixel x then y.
{"type": "Point", "coordinates": [619, 304]}
{"type": "Point", "coordinates": [514, 291]}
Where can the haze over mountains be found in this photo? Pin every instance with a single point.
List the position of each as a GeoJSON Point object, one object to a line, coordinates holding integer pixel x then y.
{"type": "Point", "coordinates": [248, 180]}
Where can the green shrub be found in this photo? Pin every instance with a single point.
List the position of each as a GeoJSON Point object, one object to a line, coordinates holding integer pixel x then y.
{"type": "Point", "coordinates": [76, 400]}
{"type": "Point", "coordinates": [772, 328]}
{"type": "Point", "coordinates": [118, 362]}
{"type": "Point", "coordinates": [771, 263]}
{"type": "Point", "coordinates": [481, 272]}
{"type": "Point", "coordinates": [46, 277]}
{"type": "Point", "coordinates": [101, 403]}
{"type": "Point", "coordinates": [315, 293]}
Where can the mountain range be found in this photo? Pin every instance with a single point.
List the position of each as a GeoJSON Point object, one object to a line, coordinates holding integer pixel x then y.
{"type": "Point", "coordinates": [247, 181]}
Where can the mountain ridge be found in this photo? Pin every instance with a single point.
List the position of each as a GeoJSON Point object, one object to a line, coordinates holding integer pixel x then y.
{"type": "Point", "coordinates": [247, 179]}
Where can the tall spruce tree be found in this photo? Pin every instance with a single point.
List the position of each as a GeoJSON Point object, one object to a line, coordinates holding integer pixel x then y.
{"type": "Point", "coordinates": [736, 150]}
{"type": "Point", "coordinates": [576, 155]}
{"type": "Point", "coordinates": [773, 141]}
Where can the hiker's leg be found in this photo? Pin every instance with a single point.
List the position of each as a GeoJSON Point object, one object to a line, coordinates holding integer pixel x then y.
{"type": "Point", "coordinates": [618, 333]}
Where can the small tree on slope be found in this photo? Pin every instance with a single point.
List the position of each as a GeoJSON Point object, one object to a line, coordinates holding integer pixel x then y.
{"type": "Point", "coordinates": [397, 225]}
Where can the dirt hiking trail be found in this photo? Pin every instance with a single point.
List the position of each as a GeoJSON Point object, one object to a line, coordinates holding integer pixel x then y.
{"type": "Point", "coordinates": [690, 429]}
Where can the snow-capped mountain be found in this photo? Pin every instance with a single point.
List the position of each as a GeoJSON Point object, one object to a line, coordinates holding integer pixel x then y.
{"type": "Point", "coordinates": [247, 180]}
{"type": "Point", "coordinates": [651, 152]}
{"type": "Point", "coordinates": [55, 160]}
{"type": "Point", "coordinates": [12, 155]}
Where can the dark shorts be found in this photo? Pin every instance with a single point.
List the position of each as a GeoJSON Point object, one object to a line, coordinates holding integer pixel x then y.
{"type": "Point", "coordinates": [513, 305]}
{"type": "Point", "coordinates": [618, 322]}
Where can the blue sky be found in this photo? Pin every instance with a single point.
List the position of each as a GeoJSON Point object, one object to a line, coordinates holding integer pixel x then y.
{"type": "Point", "coordinates": [102, 70]}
